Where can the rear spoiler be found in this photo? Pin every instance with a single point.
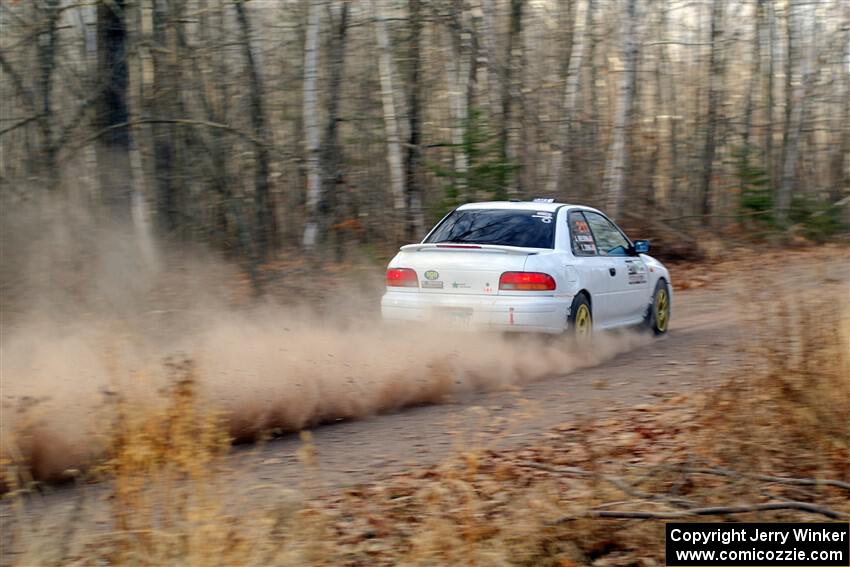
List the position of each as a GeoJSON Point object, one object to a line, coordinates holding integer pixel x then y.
{"type": "Point", "coordinates": [458, 247]}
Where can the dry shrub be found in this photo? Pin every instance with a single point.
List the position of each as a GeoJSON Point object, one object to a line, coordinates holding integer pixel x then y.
{"type": "Point", "coordinates": [161, 462]}
{"type": "Point", "coordinates": [791, 413]}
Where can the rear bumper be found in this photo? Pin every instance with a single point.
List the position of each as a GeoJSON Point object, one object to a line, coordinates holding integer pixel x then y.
{"type": "Point", "coordinates": [502, 313]}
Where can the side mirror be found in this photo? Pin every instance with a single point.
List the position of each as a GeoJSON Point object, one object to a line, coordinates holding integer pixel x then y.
{"type": "Point", "coordinates": [641, 246]}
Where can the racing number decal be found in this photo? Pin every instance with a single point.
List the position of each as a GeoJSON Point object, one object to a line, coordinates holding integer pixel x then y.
{"type": "Point", "coordinates": [583, 243]}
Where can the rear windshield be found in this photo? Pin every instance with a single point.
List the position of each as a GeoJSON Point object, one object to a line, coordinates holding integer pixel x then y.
{"type": "Point", "coordinates": [527, 229]}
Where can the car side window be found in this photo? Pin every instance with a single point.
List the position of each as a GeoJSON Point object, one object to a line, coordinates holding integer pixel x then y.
{"type": "Point", "coordinates": [609, 240]}
{"type": "Point", "coordinates": [581, 238]}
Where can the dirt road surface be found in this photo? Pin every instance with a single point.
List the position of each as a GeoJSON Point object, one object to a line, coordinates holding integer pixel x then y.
{"type": "Point", "coordinates": [707, 341]}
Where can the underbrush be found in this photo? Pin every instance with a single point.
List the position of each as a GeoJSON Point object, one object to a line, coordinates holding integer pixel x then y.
{"type": "Point", "coordinates": [773, 443]}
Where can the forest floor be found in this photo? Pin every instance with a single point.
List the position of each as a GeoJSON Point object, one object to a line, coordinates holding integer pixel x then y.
{"type": "Point", "coordinates": [523, 474]}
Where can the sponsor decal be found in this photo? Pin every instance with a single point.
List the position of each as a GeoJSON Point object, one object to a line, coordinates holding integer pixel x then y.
{"type": "Point", "coordinates": [460, 285]}
{"type": "Point", "coordinates": [581, 226]}
{"type": "Point", "coordinates": [588, 247]}
{"type": "Point", "coordinates": [544, 216]}
{"type": "Point", "coordinates": [636, 270]}
{"type": "Point", "coordinates": [584, 238]}
{"type": "Point", "coordinates": [432, 285]}
{"type": "Point", "coordinates": [432, 275]}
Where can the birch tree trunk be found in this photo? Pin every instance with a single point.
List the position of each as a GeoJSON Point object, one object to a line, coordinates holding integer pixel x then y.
{"type": "Point", "coordinates": [391, 125]}
{"type": "Point", "coordinates": [595, 154]}
{"type": "Point", "coordinates": [492, 65]}
{"type": "Point", "coordinates": [715, 71]}
{"type": "Point", "coordinates": [572, 86]}
{"type": "Point", "coordinates": [667, 191]}
{"type": "Point", "coordinates": [311, 124]}
{"type": "Point", "coordinates": [615, 167]}
{"type": "Point", "coordinates": [140, 202]}
{"type": "Point", "coordinates": [457, 56]}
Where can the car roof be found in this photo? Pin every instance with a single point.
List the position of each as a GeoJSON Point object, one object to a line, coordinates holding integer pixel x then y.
{"type": "Point", "coordinates": [520, 205]}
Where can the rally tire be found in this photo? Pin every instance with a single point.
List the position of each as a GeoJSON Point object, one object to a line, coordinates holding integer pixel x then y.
{"type": "Point", "coordinates": [580, 324]}
{"type": "Point", "coordinates": [658, 317]}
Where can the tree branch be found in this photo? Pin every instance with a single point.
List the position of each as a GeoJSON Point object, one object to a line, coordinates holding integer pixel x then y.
{"type": "Point", "coordinates": [184, 121]}
{"type": "Point", "coordinates": [769, 478]}
{"type": "Point", "coordinates": [23, 122]}
{"type": "Point", "coordinates": [23, 91]}
{"type": "Point", "coordinates": [615, 481]}
{"type": "Point", "coordinates": [712, 511]}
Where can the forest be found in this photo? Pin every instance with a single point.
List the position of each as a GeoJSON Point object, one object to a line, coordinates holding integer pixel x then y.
{"type": "Point", "coordinates": [269, 127]}
{"type": "Point", "coordinates": [198, 199]}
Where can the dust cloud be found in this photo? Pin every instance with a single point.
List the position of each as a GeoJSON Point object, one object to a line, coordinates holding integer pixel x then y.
{"type": "Point", "coordinates": [110, 317]}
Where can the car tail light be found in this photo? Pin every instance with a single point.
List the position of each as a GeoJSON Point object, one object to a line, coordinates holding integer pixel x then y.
{"type": "Point", "coordinates": [526, 281]}
{"type": "Point", "coordinates": [402, 277]}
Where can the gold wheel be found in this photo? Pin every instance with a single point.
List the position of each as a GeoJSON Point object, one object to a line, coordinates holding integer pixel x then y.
{"type": "Point", "coordinates": [662, 309]}
{"type": "Point", "coordinates": [583, 322]}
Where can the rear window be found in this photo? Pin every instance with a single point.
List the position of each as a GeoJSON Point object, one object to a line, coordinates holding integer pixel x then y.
{"type": "Point", "coordinates": [527, 229]}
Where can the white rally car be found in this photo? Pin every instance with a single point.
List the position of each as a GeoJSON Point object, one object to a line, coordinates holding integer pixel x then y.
{"type": "Point", "coordinates": [538, 266]}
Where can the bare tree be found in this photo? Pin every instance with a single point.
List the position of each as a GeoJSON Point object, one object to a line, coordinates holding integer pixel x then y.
{"type": "Point", "coordinates": [583, 21]}
{"type": "Point", "coordinates": [796, 104]}
{"type": "Point", "coordinates": [510, 88]}
{"type": "Point", "coordinates": [331, 154]}
{"type": "Point", "coordinates": [391, 123]}
{"type": "Point", "coordinates": [755, 76]}
{"type": "Point", "coordinates": [615, 167]}
{"type": "Point", "coordinates": [840, 177]}
{"type": "Point", "coordinates": [715, 70]}
{"type": "Point", "coordinates": [112, 114]}
{"type": "Point", "coordinates": [663, 174]}
{"type": "Point", "coordinates": [253, 125]}
{"type": "Point", "coordinates": [47, 51]}
{"type": "Point", "coordinates": [311, 124]}
{"type": "Point", "coordinates": [162, 100]}
{"type": "Point", "coordinates": [769, 93]}
{"type": "Point", "coordinates": [266, 219]}
{"type": "Point", "coordinates": [458, 55]}
{"type": "Point", "coordinates": [491, 62]}
{"type": "Point", "coordinates": [415, 222]}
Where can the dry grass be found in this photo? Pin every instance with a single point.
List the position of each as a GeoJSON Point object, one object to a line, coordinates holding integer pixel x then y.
{"type": "Point", "coordinates": [784, 415]}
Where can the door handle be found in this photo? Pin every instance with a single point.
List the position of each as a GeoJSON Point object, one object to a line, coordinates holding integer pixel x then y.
{"type": "Point", "coordinates": [612, 271]}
